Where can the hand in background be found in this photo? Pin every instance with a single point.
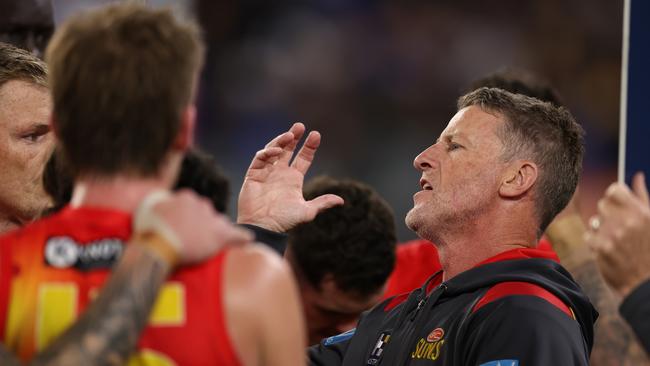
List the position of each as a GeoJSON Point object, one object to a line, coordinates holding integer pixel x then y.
{"type": "Point", "coordinates": [566, 233]}
{"type": "Point", "coordinates": [620, 235]}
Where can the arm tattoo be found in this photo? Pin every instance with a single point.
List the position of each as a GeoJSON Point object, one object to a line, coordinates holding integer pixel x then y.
{"type": "Point", "coordinates": [108, 331]}
{"type": "Point", "coordinates": [615, 343]}
{"type": "Point", "coordinates": [8, 359]}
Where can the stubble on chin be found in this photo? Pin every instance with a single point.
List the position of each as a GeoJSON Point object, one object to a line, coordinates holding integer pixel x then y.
{"type": "Point", "coordinates": [415, 221]}
{"type": "Point", "coordinates": [410, 220]}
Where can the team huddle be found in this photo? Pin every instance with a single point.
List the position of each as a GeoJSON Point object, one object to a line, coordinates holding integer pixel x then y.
{"type": "Point", "coordinates": [115, 248]}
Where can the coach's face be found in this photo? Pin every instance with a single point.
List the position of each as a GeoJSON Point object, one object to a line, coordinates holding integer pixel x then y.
{"type": "Point", "coordinates": [460, 173]}
{"type": "Point", "coordinates": [25, 144]}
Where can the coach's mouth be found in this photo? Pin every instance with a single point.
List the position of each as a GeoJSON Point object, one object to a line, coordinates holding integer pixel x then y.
{"type": "Point", "coordinates": [425, 185]}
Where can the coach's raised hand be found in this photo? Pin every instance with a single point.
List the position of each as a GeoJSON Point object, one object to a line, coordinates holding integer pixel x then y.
{"type": "Point", "coordinates": [271, 196]}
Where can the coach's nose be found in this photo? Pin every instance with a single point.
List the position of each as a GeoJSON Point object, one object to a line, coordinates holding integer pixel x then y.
{"type": "Point", "coordinates": [425, 160]}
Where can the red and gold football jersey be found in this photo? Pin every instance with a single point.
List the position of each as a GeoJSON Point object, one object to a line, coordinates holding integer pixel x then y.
{"type": "Point", "coordinates": [51, 269]}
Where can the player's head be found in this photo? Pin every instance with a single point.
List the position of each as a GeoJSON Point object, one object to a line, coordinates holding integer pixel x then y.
{"type": "Point", "coordinates": [343, 258]}
{"type": "Point", "coordinates": [519, 82]}
{"type": "Point", "coordinates": [198, 172]}
{"type": "Point", "coordinates": [25, 141]}
{"type": "Point", "coordinates": [123, 81]}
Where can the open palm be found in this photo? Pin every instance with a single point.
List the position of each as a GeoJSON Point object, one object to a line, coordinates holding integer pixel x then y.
{"type": "Point", "coordinates": [271, 195]}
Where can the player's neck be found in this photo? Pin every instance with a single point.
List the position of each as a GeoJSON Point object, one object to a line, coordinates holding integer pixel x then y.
{"type": "Point", "coordinates": [488, 236]}
{"type": "Point", "coordinates": [120, 193]}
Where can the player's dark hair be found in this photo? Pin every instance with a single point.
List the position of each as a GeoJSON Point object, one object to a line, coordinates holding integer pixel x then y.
{"type": "Point", "coordinates": [542, 132]}
{"type": "Point", "coordinates": [519, 82]}
{"type": "Point", "coordinates": [199, 172]}
{"type": "Point", "coordinates": [57, 182]}
{"type": "Point", "coordinates": [355, 242]}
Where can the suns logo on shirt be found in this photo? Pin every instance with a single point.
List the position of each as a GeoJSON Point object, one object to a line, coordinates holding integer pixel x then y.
{"type": "Point", "coordinates": [429, 348]}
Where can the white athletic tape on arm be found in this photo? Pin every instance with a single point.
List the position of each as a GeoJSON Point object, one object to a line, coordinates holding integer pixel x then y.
{"type": "Point", "coordinates": [146, 220]}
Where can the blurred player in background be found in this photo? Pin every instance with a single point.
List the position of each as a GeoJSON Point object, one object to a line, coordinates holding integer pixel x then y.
{"type": "Point", "coordinates": [122, 80]}
{"type": "Point", "coordinates": [25, 131]}
{"type": "Point", "coordinates": [343, 257]}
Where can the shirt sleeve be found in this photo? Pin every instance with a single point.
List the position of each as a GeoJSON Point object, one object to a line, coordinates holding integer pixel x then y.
{"type": "Point", "coordinates": [523, 330]}
{"type": "Point", "coordinates": [635, 309]}
{"type": "Point", "coordinates": [274, 240]}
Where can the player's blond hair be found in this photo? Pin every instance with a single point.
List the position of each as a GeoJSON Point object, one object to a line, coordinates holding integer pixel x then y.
{"type": "Point", "coordinates": [19, 64]}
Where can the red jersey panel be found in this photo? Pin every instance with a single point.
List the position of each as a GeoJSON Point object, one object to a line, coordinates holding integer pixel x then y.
{"type": "Point", "coordinates": [50, 270]}
{"type": "Point", "coordinates": [417, 260]}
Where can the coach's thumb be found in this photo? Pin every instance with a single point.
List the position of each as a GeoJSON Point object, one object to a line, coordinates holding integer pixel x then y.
{"type": "Point", "coordinates": [322, 203]}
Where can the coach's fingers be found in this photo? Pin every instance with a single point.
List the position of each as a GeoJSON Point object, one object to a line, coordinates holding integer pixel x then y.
{"type": "Point", "coordinates": [305, 156]}
{"type": "Point", "coordinates": [324, 202]}
{"type": "Point", "coordinates": [281, 140]}
{"type": "Point", "coordinates": [265, 157]}
{"type": "Point", "coordinates": [298, 130]}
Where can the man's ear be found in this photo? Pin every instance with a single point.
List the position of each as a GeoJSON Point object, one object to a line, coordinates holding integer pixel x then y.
{"type": "Point", "coordinates": [185, 137]}
{"type": "Point", "coordinates": [519, 178]}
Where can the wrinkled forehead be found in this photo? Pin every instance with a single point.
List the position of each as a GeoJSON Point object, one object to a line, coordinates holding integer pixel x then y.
{"type": "Point", "coordinates": [473, 125]}
{"type": "Point", "coordinates": [23, 103]}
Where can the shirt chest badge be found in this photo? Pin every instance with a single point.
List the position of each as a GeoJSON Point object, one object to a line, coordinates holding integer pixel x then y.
{"type": "Point", "coordinates": [429, 348]}
{"type": "Point", "coordinates": [375, 355]}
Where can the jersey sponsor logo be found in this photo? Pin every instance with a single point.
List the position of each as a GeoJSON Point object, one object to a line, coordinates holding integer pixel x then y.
{"type": "Point", "coordinates": [501, 363]}
{"type": "Point", "coordinates": [429, 348]}
{"type": "Point", "coordinates": [339, 337]}
{"type": "Point", "coordinates": [65, 252]}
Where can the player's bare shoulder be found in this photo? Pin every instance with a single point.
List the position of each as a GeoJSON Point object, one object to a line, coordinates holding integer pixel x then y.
{"type": "Point", "coordinates": [254, 267]}
{"type": "Point", "coordinates": [259, 289]}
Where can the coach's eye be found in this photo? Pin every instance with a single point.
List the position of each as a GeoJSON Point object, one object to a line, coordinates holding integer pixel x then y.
{"type": "Point", "coordinates": [453, 146]}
